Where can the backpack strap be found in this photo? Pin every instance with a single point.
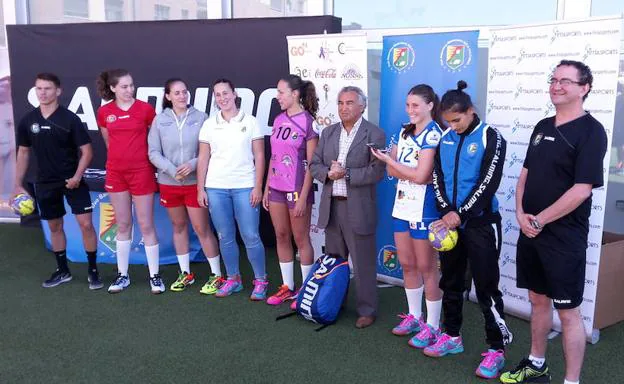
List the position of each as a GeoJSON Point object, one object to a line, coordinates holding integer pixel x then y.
{"type": "Point", "coordinates": [285, 315]}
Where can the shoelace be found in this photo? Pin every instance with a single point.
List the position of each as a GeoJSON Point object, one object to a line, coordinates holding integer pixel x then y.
{"type": "Point", "coordinates": [156, 280]}
{"type": "Point", "coordinates": [259, 285]}
{"type": "Point", "coordinates": [407, 319]}
{"type": "Point", "coordinates": [283, 291]}
{"type": "Point", "coordinates": [490, 358]}
{"type": "Point", "coordinates": [120, 279]}
{"type": "Point", "coordinates": [441, 341]}
{"type": "Point", "coordinates": [227, 285]}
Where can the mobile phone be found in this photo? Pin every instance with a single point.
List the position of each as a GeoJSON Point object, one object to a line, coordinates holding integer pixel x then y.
{"type": "Point", "coordinates": [377, 147]}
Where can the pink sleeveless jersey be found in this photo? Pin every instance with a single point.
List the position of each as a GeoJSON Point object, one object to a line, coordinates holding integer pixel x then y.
{"type": "Point", "coordinates": [288, 151]}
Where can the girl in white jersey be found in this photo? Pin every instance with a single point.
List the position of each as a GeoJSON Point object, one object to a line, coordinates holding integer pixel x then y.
{"type": "Point", "coordinates": [411, 162]}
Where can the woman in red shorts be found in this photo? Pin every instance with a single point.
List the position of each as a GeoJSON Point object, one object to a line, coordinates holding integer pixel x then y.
{"type": "Point", "coordinates": [173, 146]}
{"type": "Point", "coordinates": [124, 124]}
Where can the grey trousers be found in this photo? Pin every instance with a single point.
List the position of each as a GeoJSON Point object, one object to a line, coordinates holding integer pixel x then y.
{"type": "Point", "coordinates": [341, 240]}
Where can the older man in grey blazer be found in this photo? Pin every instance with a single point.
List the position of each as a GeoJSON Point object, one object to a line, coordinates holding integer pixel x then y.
{"type": "Point", "coordinates": [348, 210]}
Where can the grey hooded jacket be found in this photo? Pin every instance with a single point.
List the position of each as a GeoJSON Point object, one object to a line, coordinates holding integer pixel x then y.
{"type": "Point", "coordinates": [174, 141]}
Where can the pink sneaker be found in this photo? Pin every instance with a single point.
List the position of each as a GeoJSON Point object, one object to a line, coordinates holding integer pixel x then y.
{"type": "Point", "coordinates": [426, 337]}
{"type": "Point", "coordinates": [492, 364]}
{"type": "Point", "coordinates": [409, 324]}
{"type": "Point", "coordinates": [293, 305]}
{"type": "Point", "coordinates": [259, 292]}
{"type": "Point", "coordinates": [283, 294]}
{"type": "Point", "coordinates": [445, 345]}
{"type": "Point", "coordinates": [231, 285]}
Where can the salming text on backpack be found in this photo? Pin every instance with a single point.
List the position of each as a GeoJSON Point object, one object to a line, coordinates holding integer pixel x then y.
{"type": "Point", "coordinates": [324, 290]}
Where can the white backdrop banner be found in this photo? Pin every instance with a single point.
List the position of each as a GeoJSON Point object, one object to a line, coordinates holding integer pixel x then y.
{"type": "Point", "coordinates": [521, 60]}
{"type": "Point", "coordinates": [330, 61]}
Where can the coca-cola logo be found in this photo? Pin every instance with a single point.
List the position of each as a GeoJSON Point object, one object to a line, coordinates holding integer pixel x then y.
{"type": "Point", "coordinates": [329, 73]}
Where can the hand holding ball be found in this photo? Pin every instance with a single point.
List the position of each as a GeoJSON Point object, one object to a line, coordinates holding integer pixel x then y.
{"type": "Point", "coordinates": [22, 204]}
{"type": "Point", "coordinates": [443, 239]}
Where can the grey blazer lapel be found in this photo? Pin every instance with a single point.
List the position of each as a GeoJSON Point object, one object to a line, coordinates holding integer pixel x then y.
{"type": "Point", "coordinates": [335, 141]}
{"type": "Point", "coordinates": [360, 136]}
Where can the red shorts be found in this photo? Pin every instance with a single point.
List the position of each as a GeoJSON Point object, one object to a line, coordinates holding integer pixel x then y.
{"type": "Point", "coordinates": [172, 196]}
{"type": "Point", "coordinates": [140, 182]}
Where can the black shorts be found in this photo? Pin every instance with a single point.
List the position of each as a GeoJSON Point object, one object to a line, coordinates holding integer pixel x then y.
{"type": "Point", "coordinates": [551, 271]}
{"type": "Point", "coordinates": [50, 199]}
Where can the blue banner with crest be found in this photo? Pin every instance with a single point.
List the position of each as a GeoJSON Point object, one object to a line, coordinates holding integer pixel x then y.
{"type": "Point", "coordinates": [437, 59]}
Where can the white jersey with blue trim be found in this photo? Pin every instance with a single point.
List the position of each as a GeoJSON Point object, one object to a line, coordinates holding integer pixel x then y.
{"type": "Point", "coordinates": [415, 202]}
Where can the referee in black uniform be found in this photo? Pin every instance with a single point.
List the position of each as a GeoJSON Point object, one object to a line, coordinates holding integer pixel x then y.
{"type": "Point", "coordinates": [564, 162]}
{"type": "Point", "coordinates": [62, 149]}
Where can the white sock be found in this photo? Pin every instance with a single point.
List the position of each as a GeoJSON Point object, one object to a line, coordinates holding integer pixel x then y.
{"type": "Point", "coordinates": [185, 263]}
{"type": "Point", "coordinates": [414, 300]}
{"type": "Point", "coordinates": [433, 313]}
{"type": "Point", "coordinates": [215, 265]}
{"type": "Point", "coordinates": [305, 271]}
{"type": "Point", "coordinates": [570, 382]}
{"type": "Point", "coordinates": [123, 256]}
{"type": "Point", "coordinates": [537, 361]}
{"type": "Point", "coordinates": [288, 272]}
{"type": "Point", "coordinates": [151, 251]}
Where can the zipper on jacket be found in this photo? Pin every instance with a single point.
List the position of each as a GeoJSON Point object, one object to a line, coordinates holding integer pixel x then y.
{"type": "Point", "coordinates": [456, 170]}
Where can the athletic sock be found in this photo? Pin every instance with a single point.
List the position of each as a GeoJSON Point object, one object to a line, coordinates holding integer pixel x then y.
{"type": "Point", "coordinates": [92, 258]}
{"type": "Point", "coordinates": [151, 252]}
{"type": "Point", "coordinates": [288, 272]}
{"type": "Point", "coordinates": [537, 361]}
{"type": "Point", "coordinates": [215, 265]}
{"type": "Point", "coordinates": [61, 260]}
{"type": "Point", "coordinates": [433, 313]}
{"type": "Point", "coordinates": [414, 300]}
{"type": "Point", "coordinates": [123, 256]}
{"type": "Point", "coordinates": [305, 271]}
{"type": "Point", "coordinates": [570, 382]}
{"type": "Point", "coordinates": [185, 263]}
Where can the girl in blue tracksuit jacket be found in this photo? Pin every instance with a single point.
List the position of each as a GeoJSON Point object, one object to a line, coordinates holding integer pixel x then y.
{"type": "Point", "coordinates": [467, 171]}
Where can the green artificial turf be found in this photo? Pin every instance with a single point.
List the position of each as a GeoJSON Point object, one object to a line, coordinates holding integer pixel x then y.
{"type": "Point", "coordinates": [69, 334]}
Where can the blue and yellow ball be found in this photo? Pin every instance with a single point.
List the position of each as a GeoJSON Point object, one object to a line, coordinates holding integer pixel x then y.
{"type": "Point", "coordinates": [22, 204]}
{"type": "Point", "coordinates": [443, 239]}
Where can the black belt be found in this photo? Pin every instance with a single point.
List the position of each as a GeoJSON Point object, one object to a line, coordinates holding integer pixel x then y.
{"type": "Point", "coordinates": [339, 197]}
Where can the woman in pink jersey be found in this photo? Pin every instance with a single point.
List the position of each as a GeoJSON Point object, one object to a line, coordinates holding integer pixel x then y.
{"type": "Point", "coordinates": [288, 194]}
{"type": "Point", "coordinates": [125, 123]}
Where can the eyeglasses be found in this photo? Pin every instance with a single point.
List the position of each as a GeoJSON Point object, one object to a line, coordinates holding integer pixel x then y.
{"type": "Point", "coordinates": [563, 82]}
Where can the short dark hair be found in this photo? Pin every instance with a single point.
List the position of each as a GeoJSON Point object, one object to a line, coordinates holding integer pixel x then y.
{"type": "Point", "coordinates": [584, 73]}
{"type": "Point", "coordinates": [47, 76]}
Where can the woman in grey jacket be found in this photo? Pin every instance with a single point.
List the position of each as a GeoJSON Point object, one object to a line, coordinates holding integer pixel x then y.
{"type": "Point", "coordinates": [173, 145]}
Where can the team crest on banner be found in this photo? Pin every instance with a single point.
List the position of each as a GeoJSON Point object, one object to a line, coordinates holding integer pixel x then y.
{"type": "Point", "coordinates": [401, 57]}
{"type": "Point", "coordinates": [108, 226]}
{"type": "Point", "coordinates": [388, 258]}
{"type": "Point", "coordinates": [455, 55]}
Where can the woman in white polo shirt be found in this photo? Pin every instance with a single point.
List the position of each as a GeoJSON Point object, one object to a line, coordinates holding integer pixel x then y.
{"type": "Point", "coordinates": [230, 166]}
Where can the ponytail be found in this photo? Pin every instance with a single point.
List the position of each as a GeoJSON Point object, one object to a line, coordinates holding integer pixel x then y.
{"type": "Point", "coordinates": [108, 79]}
{"type": "Point", "coordinates": [307, 93]}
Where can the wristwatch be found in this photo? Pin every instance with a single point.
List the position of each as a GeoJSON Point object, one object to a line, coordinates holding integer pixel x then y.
{"type": "Point", "coordinates": [348, 174]}
{"type": "Point", "coordinates": [535, 224]}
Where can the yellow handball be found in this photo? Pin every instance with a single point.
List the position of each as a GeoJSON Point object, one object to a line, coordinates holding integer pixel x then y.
{"type": "Point", "coordinates": [443, 239]}
{"type": "Point", "coordinates": [22, 204]}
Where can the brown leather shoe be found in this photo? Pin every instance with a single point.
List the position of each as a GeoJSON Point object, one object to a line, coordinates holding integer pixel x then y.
{"type": "Point", "coordinates": [364, 321]}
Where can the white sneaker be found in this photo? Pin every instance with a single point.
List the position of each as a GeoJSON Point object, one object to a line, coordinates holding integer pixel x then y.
{"type": "Point", "coordinates": [157, 284]}
{"type": "Point", "coordinates": [121, 282]}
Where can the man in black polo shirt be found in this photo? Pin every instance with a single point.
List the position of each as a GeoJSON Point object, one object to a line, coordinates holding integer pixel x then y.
{"type": "Point", "coordinates": [62, 149]}
{"type": "Point", "coordinates": [564, 162]}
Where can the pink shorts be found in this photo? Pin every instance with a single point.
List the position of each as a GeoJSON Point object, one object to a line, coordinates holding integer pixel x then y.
{"type": "Point", "coordinates": [288, 198]}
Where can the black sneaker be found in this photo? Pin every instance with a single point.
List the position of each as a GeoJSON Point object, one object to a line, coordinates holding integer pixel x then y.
{"type": "Point", "coordinates": [526, 372]}
{"type": "Point", "coordinates": [57, 278]}
{"type": "Point", "coordinates": [94, 281]}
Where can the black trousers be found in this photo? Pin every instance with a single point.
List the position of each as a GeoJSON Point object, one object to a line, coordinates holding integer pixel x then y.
{"type": "Point", "coordinates": [479, 246]}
